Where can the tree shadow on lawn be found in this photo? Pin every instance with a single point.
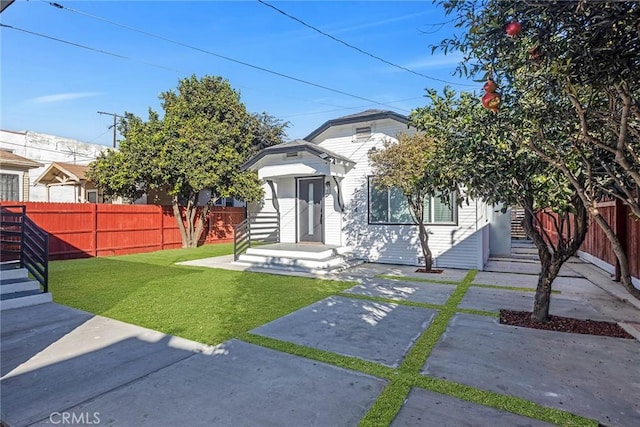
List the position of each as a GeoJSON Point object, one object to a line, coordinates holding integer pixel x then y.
{"type": "Point", "coordinates": [202, 304]}
{"type": "Point", "coordinates": [98, 285]}
{"type": "Point", "coordinates": [259, 298]}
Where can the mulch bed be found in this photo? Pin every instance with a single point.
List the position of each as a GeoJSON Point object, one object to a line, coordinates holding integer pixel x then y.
{"type": "Point", "coordinates": [563, 324]}
{"type": "Point", "coordinates": [433, 270]}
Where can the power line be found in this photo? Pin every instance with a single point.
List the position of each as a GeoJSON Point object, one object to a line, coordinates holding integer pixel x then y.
{"type": "Point", "coordinates": [217, 55]}
{"type": "Point", "coordinates": [347, 108]}
{"type": "Point", "coordinates": [357, 48]}
{"type": "Point", "coordinates": [93, 49]}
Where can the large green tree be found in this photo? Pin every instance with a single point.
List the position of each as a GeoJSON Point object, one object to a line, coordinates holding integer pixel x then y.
{"type": "Point", "coordinates": [573, 74]}
{"type": "Point", "coordinates": [199, 143]}
{"type": "Point", "coordinates": [484, 154]}
{"type": "Point", "coordinates": [414, 164]}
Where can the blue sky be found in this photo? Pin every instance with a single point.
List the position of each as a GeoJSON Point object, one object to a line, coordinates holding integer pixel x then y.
{"type": "Point", "coordinates": [51, 87]}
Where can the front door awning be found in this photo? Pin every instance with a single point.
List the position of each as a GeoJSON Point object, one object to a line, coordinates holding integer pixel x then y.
{"type": "Point", "coordinates": [298, 158]}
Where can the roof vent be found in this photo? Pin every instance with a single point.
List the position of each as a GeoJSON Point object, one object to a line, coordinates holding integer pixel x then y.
{"type": "Point", "coordinates": [363, 134]}
{"type": "Point", "coordinates": [292, 155]}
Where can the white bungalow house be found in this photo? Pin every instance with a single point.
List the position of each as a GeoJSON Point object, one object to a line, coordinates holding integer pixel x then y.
{"type": "Point", "coordinates": [321, 190]}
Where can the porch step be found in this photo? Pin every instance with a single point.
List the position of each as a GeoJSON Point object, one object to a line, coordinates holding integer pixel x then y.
{"type": "Point", "coordinates": [18, 290]}
{"type": "Point", "coordinates": [12, 271]}
{"type": "Point", "coordinates": [282, 261]}
{"type": "Point", "coordinates": [24, 299]}
{"type": "Point", "coordinates": [310, 259]}
{"type": "Point", "coordinates": [8, 286]}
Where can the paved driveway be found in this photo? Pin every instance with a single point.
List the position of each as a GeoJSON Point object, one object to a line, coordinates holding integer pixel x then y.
{"type": "Point", "coordinates": [60, 362]}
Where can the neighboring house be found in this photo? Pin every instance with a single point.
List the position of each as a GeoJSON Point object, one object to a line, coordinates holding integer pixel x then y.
{"type": "Point", "coordinates": [60, 174]}
{"type": "Point", "coordinates": [155, 197]}
{"type": "Point", "coordinates": [48, 149]}
{"type": "Point", "coordinates": [322, 189]}
{"type": "Point", "coordinates": [14, 176]}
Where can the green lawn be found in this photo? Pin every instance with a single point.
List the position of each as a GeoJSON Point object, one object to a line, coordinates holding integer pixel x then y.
{"type": "Point", "coordinates": [203, 304]}
{"type": "Point", "coordinates": [211, 306]}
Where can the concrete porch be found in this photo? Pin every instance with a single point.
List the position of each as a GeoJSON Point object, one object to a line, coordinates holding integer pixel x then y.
{"type": "Point", "coordinates": [313, 258]}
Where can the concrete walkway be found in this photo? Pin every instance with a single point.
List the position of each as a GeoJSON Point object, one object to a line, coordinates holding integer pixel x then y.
{"type": "Point", "coordinates": [60, 362]}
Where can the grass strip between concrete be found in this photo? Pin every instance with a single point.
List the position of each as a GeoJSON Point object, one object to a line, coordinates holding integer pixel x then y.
{"type": "Point", "coordinates": [408, 374]}
{"type": "Point", "coordinates": [347, 362]}
{"type": "Point", "coordinates": [416, 279]}
{"type": "Point", "coordinates": [451, 282]}
{"type": "Point", "coordinates": [390, 401]}
{"type": "Point", "coordinates": [391, 300]}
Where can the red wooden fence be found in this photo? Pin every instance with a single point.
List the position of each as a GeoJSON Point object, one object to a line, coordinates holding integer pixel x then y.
{"type": "Point", "coordinates": [597, 244]}
{"type": "Point", "coordinates": [79, 230]}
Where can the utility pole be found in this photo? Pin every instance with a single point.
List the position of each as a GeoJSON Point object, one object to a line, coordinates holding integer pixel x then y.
{"type": "Point", "coordinates": [115, 116]}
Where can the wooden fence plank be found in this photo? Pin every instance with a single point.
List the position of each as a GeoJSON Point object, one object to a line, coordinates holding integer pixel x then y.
{"type": "Point", "coordinates": [79, 230]}
{"type": "Point", "coordinates": [596, 242]}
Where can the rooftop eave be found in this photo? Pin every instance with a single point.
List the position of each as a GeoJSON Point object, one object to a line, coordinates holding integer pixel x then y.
{"type": "Point", "coordinates": [379, 115]}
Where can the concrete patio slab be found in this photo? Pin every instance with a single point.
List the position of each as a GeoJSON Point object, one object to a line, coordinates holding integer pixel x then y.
{"type": "Point", "coordinates": [520, 266]}
{"type": "Point", "coordinates": [604, 281]}
{"type": "Point", "coordinates": [431, 293]}
{"type": "Point", "coordinates": [562, 284]}
{"type": "Point", "coordinates": [496, 299]}
{"type": "Point", "coordinates": [424, 407]}
{"type": "Point", "coordinates": [378, 332]}
{"type": "Point", "coordinates": [82, 357]}
{"type": "Point", "coordinates": [240, 384]}
{"type": "Point", "coordinates": [370, 270]}
{"type": "Point", "coordinates": [596, 377]}
{"type": "Point", "coordinates": [25, 333]}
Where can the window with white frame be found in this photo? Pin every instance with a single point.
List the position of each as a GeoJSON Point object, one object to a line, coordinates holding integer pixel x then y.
{"type": "Point", "coordinates": [391, 207]}
{"type": "Point", "coordinates": [9, 187]}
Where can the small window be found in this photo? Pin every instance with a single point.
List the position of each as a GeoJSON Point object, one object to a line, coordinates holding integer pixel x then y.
{"type": "Point", "coordinates": [292, 155]}
{"type": "Point", "coordinates": [224, 201]}
{"type": "Point", "coordinates": [363, 134]}
{"type": "Point", "coordinates": [92, 196]}
{"type": "Point", "coordinates": [391, 207]}
{"type": "Point", "coordinates": [9, 187]}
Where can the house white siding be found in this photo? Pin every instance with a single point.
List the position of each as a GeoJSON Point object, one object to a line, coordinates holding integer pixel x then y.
{"type": "Point", "coordinates": [463, 244]}
{"type": "Point", "coordinates": [454, 246]}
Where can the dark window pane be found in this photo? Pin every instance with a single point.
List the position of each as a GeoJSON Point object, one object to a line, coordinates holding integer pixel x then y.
{"type": "Point", "coordinates": [399, 207]}
{"type": "Point", "coordinates": [426, 214]}
{"type": "Point", "coordinates": [9, 187]}
{"type": "Point", "coordinates": [378, 204]}
{"type": "Point", "coordinates": [442, 212]}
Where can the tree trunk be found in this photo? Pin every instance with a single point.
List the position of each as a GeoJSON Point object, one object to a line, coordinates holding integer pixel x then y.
{"type": "Point", "coordinates": [625, 274]}
{"type": "Point", "coordinates": [178, 216]}
{"type": "Point", "coordinates": [550, 267]}
{"type": "Point", "coordinates": [423, 234]}
{"type": "Point", "coordinates": [553, 256]}
{"type": "Point", "coordinates": [201, 219]}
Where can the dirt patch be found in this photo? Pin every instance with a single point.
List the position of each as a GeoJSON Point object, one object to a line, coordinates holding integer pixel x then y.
{"type": "Point", "coordinates": [563, 324]}
{"type": "Point", "coordinates": [433, 270]}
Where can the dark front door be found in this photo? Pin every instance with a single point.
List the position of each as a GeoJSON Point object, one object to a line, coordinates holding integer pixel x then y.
{"type": "Point", "coordinates": [310, 192]}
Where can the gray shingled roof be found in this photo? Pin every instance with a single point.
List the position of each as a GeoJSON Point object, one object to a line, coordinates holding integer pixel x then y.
{"type": "Point", "coordinates": [294, 147]}
{"type": "Point", "coordinates": [363, 116]}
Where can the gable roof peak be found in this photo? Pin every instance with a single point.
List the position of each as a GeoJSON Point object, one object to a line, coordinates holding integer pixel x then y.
{"type": "Point", "coordinates": [363, 116]}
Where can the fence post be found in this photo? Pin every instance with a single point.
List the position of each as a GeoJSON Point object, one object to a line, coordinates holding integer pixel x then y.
{"type": "Point", "coordinates": [161, 210]}
{"type": "Point", "coordinates": [94, 213]}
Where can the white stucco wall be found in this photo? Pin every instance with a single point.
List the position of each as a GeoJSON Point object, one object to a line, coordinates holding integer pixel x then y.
{"type": "Point", "coordinates": [47, 149]}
